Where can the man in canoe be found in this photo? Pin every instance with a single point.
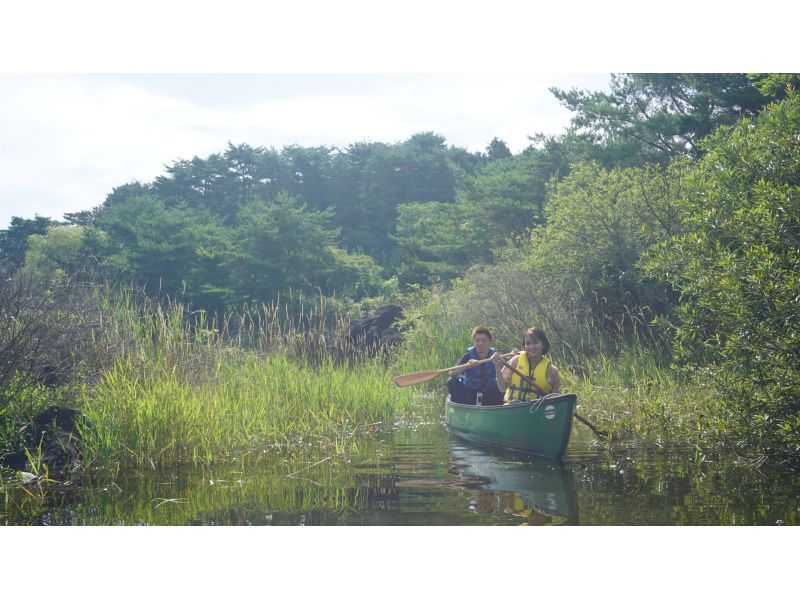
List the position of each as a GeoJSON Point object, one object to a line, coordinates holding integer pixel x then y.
{"type": "Point", "coordinates": [479, 381]}
{"type": "Point", "coordinates": [531, 363]}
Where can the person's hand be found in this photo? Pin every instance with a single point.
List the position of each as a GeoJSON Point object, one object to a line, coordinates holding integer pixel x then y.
{"type": "Point", "coordinates": [472, 363]}
{"type": "Point", "coordinates": [497, 359]}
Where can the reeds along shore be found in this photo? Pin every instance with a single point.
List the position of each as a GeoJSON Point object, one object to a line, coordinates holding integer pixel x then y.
{"type": "Point", "coordinates": [184, 387]}
{"type": "Point", "coordinates": [269, 402]}
{"type": "Point", "coordinates": [164, 385]}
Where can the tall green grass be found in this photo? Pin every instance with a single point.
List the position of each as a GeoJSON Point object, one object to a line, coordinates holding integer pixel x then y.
{"type": "Point", "coordinates": [436, 338]}
{"type": "Point", "coordinates": [183, 387]}
{"type": "Point", "coordinates": [157, 414]}
{"type": "Point", "coordinates": [633, 395]}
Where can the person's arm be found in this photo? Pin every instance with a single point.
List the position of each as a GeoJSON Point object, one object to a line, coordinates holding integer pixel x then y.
{"type": "Point", "coordinates": [504, 375]}
{"type": "Point", "coordinates": [464, 359]}
{"type": "Point", "coordinates": [553, 378]}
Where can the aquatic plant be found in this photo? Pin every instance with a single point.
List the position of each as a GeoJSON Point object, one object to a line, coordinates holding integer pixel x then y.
{"type": "Point", "coordinates": [191, 388]}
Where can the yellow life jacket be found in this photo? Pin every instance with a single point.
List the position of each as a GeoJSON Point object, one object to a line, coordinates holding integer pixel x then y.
{"type": "Point", "coordinates": [521, 389]}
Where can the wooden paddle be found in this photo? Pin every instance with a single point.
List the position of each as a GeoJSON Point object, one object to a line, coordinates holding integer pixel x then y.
{"type": "Point", "coordinates": [600, 433]}
{"type": "Point", "coordinates": [605, 435]}
{"type": "Point", "coordinates": [424, 376]}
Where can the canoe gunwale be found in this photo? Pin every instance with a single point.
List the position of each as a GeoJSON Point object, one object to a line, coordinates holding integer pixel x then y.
{"type": "Point", "coordinates": [547, 400]}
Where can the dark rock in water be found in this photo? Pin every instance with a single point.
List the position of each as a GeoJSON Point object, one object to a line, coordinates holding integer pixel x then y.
{"type": "Point", "coordinates": [377, 332]}
{"type": "Point", "coordinates": [54, 430]}
{"type": "Point", "coordinates": [16, 460]}
{"type": "Point", "coordinates": [61, 449]}
{"type": "Point", "coordinates": [61, 418]}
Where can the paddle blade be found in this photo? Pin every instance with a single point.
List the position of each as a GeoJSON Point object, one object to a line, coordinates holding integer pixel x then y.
{"type": "Point", "coordinates": [416, 378]}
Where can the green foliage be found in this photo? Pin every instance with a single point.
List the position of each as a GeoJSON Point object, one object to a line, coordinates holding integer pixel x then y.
{"type": "Point", "coordinates": [250, 224]}
{"type": "Point", "coordinates": [373, 179]}
{"type": "Point", "coordinates": [167, 250]}
{"type": "Point", "coordinates": [655, 117]}
{"type": "Point", "coordinates": [220, 184]}
{"type": "Point", "coordinates": [282, 245]}
{"type": "Point", "coordinates": [357, 277]}
{"type": "Point", "coordinates": [507, 196]}
{"type": "Point", "coordinates": [736, 263]}
{"type": "Point", "coordinates": [599, 222]}
{"type": "Point", "coordinates": [775, 86]}
{"type": "Point", "coordinates": [14, 240]}
{"type": "Point", "coordinates": [422, 211]}
{"type": "Point", "coordinates": [497, 150]}
{"type": "Point", "coordinates": [58, 251]}
{"type": "Point", "coordinates": [440, 241]}
{"type": "Point", "coordinates": [435, 241]}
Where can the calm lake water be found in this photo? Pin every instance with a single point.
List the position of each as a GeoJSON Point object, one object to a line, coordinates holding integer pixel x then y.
{"type": "Point", "coordinates": [419, 474]}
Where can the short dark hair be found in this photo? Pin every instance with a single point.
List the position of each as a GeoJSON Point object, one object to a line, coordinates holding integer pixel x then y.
{"type": "Point", "coordinates": [538, 334]}
{"type": "Point", "coordinates": [481, 330]}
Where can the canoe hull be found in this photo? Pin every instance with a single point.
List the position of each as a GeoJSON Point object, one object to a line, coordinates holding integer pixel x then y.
{"type": "Point", "coordinates": [539, 427]}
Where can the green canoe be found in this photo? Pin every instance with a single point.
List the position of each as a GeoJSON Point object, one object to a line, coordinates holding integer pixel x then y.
{"type": "Point", "coordinates": [541, 427]}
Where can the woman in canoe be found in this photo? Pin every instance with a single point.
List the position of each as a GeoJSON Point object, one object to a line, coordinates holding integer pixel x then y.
{"type": "Point", "coordinates": [481, 379]}
{"type": "Point", "coordinates": [532, 363]}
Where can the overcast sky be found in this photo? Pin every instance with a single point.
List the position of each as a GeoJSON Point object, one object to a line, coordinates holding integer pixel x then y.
{"type": "Point", "coordinates": [67, 140]}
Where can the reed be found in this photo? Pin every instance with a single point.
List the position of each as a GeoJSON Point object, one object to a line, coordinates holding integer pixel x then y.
{"type": "Point", "coordinates": [185, 387]}
{"type": "Point", "coordinates": [153, 415]}
{"type": "Point", "coordinates": [631, 393]}
{"type": "Point", "coordinates": [436, 338]}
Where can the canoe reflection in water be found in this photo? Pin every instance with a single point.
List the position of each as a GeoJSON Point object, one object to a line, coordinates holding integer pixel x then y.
{"type": "Point", "coordinates": [540, 491]}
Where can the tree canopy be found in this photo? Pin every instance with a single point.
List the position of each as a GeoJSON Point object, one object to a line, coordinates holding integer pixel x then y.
{"type": "Point", "coordinates": [655, 117]}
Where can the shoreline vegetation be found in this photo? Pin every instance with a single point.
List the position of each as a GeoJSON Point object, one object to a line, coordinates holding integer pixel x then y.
{"type": "Point", "coordinates": [167, 386]}
{"type": "Point", "coordinates": [666, 280]}
{"type": "Point", "coordinates": [181, 389]}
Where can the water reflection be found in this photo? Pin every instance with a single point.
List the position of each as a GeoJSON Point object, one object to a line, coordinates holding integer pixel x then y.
{"type": "Point", "coordinates": [419, 475]}
{"type": "Point", "coordinates": [538, 491]}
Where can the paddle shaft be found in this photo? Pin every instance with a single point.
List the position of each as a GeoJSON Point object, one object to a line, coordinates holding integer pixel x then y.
{"type": "Point", "coordinates": [464, 366]}
{"type": "Point", "coordinates": [424, 376]}
{"type": "Point", "coordinates": [600, 433]}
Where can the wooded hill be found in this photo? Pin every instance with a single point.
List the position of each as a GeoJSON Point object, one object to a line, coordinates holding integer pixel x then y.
{"type": "Point", "coordinates": [369, 219]}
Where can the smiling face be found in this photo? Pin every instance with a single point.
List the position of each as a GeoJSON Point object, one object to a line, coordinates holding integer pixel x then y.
{"type": "Point", "coordinates": [482, 342]}
{"type": "Point", "coordinates": [534, 347]}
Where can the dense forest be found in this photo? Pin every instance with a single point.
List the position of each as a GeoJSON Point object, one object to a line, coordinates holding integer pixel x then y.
{"type": "Point", "coordinates": [666, 216]}
{"type": "Point", "coordinates": [251, 223]}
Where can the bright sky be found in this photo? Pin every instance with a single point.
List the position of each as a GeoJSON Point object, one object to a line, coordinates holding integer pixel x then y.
{"type": "Point", "coordinates": [67, 140]}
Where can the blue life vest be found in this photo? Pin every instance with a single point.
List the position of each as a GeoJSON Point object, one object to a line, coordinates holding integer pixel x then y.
{"type": "Point", "coordinates": [482, 377]}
